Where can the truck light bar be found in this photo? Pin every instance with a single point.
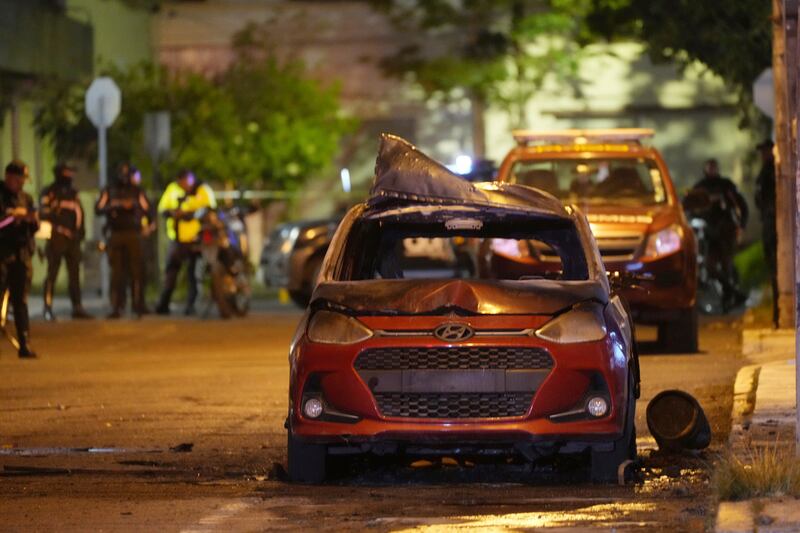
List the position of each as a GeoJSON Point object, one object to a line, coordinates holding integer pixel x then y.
{"type": "Point", "coordinates": [632, 135]}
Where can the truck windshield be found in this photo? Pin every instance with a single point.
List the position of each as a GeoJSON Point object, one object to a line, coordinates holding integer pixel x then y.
{"type": "Point", "coordinates": [606, 181]}
{"type": "Point", "coordinates": [509, 249]}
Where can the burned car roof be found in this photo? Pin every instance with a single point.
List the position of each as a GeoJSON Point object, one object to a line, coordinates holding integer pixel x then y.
{"type": "Point", "coordinates": [404, 175]}
{"type": "Point", "coordinates": [411, 188]}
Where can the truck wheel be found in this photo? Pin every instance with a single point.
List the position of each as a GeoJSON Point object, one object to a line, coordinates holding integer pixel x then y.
{"type": "Point", "coordinates": [307, 462]}
{"type": "Point", "coordinates": [680, 335]}
{"type": "Point", "coordinates": [605, 465]}
{"type": "Point", "coordinates": [300, 298]}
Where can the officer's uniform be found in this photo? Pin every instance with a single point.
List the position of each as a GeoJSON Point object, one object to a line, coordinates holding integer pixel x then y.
{"type": "Point", "coordinates": [126, 208]}
{"type": "Point", "coordinates": [184, 235]}
{"type": "Point", "coordinates": [728, 214]}
{"type": "Point", "coordinates": [16, 250]}
{"type": "Point", "coordinates": [60, 205]}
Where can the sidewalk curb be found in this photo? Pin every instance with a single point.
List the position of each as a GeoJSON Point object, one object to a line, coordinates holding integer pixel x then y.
{"type": "Point", "coordinates": [735, 517]}
{"type": "Point", "coordinates": [767, 351]}
{"type": "Point", "coordinates": [744, 403]}
{"type": "Point", "coordinates": [739, 517]}
{"type": "Point", "coordinates": [779, 515]}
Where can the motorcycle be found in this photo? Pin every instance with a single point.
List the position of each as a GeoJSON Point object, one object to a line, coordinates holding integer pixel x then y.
{"type": "Point", "coordinates": [225, 265]}
{"type": "Point", "coordinates": [697, 205]}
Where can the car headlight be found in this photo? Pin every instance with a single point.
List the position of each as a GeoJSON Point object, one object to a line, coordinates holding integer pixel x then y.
{"type": "Point", "coordinates": [583, 323]}
{"type": "Point", "coordinates": [310, 234]}
{"type": "Point", "coordinates": [664, 242]}
{"type": "Point", "coordinates": [327, 327]}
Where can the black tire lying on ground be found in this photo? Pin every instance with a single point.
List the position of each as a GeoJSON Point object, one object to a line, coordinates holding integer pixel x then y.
{"type": "Point", "coordinates": [677, 421]}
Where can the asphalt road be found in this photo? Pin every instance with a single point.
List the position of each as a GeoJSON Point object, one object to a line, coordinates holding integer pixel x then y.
{"type": "Point", "coordinates": [177, 425]}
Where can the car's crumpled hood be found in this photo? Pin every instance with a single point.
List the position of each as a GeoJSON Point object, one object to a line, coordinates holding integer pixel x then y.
{"type": "Point", "coordinates": [533, 297]}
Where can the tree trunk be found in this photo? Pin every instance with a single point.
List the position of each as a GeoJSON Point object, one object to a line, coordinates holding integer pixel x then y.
{"type": "Point", "coordinates": [784, 61]}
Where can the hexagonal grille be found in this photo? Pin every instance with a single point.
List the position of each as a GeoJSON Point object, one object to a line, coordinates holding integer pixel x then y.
{"type": "Point", "coordinates": [456, 357]}
{"type": "Point", "coordinates": [453, 405]}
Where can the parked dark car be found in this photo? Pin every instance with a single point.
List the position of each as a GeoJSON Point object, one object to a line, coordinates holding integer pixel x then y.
{"type": "Point", "coordinates": [392, 358]}
{"type": "Point", "coordinates": [292, 256]}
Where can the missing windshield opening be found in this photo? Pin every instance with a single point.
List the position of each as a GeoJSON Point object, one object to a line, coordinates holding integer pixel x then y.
{"type": "Point", "coordinates": [506, 247]}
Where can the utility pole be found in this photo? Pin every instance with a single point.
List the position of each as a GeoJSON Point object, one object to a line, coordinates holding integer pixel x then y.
{"type": "Point", "coordinates": [793, 71]}
{"type": "Point", "coordinates": [784, 66]}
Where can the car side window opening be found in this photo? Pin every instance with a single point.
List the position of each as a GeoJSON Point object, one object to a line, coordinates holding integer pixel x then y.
{"type": "Point", "coordinates": [549, 249]}
{"type": "Point", "coordinates": [598, 180]}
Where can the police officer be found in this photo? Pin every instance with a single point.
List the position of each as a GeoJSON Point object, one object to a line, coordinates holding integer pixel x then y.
{"type": "Point", "coordinates": [61, 207]}
{"type": "Point", "coordinates": [182, 203]}
{"type": "Point", "coordinates": [765, 201]}
{"type": "Point", "coordinates": [727, 218]}
{"type": "Point", "coordinates": [126, 209]}
{"type": "Point", "coordinates": [18, 223]}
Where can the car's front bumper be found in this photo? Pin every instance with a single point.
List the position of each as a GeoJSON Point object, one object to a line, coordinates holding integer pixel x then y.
{"type": "Point", "coordinates": [575, 371]}
{"type": "Point", "coordinates": [666, 288]}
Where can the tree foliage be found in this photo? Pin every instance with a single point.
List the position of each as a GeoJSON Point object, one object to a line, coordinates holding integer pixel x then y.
{"type": "Point", "coordinates": [733, 39]}
{"type": "Point", "coordinates": [503, 50]}
{"type": "Point", "coordinates": [261, 123]}
{"type": "Point", "coordinates": [498, 51]}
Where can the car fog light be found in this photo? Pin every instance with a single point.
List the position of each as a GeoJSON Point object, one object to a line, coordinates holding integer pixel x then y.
{"type": "Point", "coordinates": [596, 406]}
{"type": "Point", "coordinates": [312, 408]}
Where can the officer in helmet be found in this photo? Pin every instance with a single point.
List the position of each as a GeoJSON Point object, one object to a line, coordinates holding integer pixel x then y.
{"type": "Point", "coordinates": [727, 219]}
{"type": "Point", "coordinates": [61, 207]}
{"type": "Point", "coordinates": [18, 223]}
{"type": "Point", "coordinates": [126, 209]}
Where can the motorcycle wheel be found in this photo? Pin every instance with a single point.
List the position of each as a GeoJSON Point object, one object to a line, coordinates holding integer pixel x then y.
{"type": "Point", "coordinates": [231, 290]}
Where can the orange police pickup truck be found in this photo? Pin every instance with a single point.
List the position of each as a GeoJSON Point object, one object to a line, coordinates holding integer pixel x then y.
{"type": "Point", "coordinates": [625, 190]}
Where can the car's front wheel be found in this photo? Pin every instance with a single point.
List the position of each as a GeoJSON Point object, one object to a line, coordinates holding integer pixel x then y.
{"type": "Point", "coordinates": [605, 465]}
{"type": "Point", "coordinates": [307, 461]}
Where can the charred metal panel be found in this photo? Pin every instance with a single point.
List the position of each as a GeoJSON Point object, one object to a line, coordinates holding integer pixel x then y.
{"type": "Point", "coordinates": [403, 174]}
{"type": "Point", "coordinates": [546, 297]}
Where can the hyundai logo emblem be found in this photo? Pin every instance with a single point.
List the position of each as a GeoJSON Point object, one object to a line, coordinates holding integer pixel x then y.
{"type": "Point", "coordinates": [453, 332]}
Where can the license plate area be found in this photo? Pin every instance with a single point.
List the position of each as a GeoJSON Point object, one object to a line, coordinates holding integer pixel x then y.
{"type": "Point", "coordinates": [444, 381]}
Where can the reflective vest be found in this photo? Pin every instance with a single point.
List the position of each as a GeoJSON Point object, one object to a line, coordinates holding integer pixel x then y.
{"type": "Point", "coordinates": [175, 197]}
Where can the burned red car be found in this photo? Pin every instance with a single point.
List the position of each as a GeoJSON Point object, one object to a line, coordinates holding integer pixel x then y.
{"type": "Point", "coordinates": [396, 357]}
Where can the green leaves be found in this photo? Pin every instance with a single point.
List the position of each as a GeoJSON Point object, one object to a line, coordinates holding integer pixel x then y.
{"type": "Point", "coordinates": [733, 39]}
{"type": "Point", "coordinates": [260, 124]}
{"type": "Point", "coordinates": [498, 51]}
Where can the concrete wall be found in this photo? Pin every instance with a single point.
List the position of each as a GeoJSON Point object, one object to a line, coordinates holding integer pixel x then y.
{"type": "Point", "coordinates": [122, 34]}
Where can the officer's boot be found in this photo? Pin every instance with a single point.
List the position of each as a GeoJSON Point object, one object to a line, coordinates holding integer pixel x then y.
{"type": "Point", "coordinates": [48, 300]}
{"type": "Point", "coordinates": [80, 313]}
{"type": "Point", "coordinates": [163, 302]}
{"type": "Point", "coordinates": [25, 350]}
{"type": "Point", "coordinates": [137, 300]}
{"type": "Point", "coordinates": [115, 312]}
{"type": "Point", "coordinates": [115, 303]}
